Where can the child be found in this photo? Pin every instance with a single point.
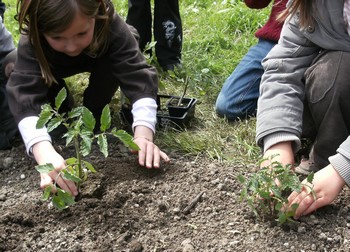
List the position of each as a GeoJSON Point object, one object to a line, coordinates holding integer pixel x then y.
{"type": "Point", "coordinates": [305, 92]}
{"type": "Point", "coordinates": [8, 127]}
{"type": "Point", "coordinates": [61, 38]}
{"type": "Point", "coordinates": [167, 29]}
{"type": "Point", "coordinates": [239, 94]}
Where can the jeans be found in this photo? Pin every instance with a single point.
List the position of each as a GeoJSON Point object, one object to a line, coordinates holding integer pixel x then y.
{"type": "Point", "coordinates": [326, 111]}
{"type": "Point", "coordinates": [167, 27]}
{"type": "Point", "coordinates": [239, 94]}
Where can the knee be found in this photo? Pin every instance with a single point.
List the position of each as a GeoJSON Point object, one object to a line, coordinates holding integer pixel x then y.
{"type": "Point", "coordinates": [9, 63]}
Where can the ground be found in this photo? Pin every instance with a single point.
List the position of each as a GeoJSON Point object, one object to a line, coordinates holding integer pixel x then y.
{"type": "Point", "coordinates": [191, 204]}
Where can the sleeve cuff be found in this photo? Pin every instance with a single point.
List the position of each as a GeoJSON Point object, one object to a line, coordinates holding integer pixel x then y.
{"type": "Point", "coordinates": [30, 134]}
{"type": "Point", "coordinates": [279, 137]}
{"type": "Point", "coordinates": [144, 112]}
{"type": "Point", "coordinates": [342, 165]}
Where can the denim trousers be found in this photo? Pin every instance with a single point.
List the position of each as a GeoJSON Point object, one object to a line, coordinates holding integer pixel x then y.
{"type": "Point", "coordinates": [167, 27]}
{"type": "Point", "coordinates": [239, 94]}
{"type": "Point", "coordinates": [326, 119]}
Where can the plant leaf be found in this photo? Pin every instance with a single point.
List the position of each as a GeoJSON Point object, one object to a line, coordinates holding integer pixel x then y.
{"type": "Point", "coordinates": [47, 192]}
{"type": "Point", "coordinates": [61, 96]}
{"type": "Point", "coordinates": [102, 143]}
{"type": "Point", "coordinates": [45, 168]}
{"type": "Point", "coordinates": [70, 176]}
{"type": "Point", "coordinates": [126, 138]}
{"type": "Point", "coordinates": [89, 166]}
{"type": "Point", "coordinates": [105, 119]}
{"type": "Point", "coordinates": [53, 124]}
{"type": "Point", "coordinates": [71, 161]}
{"type": "Point", "coordinates": [44, 116]}
{"type": "Point", "coordinates": [88, 119]}
{"type": "Point", "coordinates": [86, 143]}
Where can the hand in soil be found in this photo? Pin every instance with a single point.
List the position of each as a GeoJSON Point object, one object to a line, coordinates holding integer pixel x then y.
{"type": "Point", "coordinates": [44, 153]}
{"type": "Point", "coordinates": [327, 184]}
{"type": "Point", "coordinates": [149, 154]}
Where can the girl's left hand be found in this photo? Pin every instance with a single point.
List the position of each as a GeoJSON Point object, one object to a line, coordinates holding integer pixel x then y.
{"type": "Point", "coordinates": [149, 154]}
{"type": "Point", "coordinates": [327, 184]}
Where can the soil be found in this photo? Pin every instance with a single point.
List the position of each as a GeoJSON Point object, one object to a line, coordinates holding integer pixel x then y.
{"type": "Point", "coordinates": [191, 204]}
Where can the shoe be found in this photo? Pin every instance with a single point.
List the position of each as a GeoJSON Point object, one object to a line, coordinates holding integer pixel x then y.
{"type": "Point", "coordinates": [306, 166]}
{"type": "Point", "coordinates": [171, 67]}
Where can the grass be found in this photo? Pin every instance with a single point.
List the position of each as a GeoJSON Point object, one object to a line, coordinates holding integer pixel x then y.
{"type": "Point", "coordinates": [216, 36]}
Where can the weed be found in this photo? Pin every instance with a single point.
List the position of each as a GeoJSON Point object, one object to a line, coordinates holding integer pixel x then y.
{"type": "Point", "coordinates": [80, 124]}
{"type": "Point", "coordinates": [267, 190]}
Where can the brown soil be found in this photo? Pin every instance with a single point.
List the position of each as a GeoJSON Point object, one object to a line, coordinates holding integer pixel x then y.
{"type": "Point", "coordinates": [125, 207]}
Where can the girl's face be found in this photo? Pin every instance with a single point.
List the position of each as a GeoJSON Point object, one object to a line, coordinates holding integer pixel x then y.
{"type": "Point", "coordinates": [75, 38]}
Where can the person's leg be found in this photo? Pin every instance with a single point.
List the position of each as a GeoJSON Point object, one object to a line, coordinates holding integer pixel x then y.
{"type": "Point", "coordinates": [239, 94]}
{"type": "Point", "coordinates": [167, 33]}
{"type": "Point", "coordinates": [327, 87]}
{"type": "Point", "coordinates": [102, 87]}
{"type": "Point", "coordinates": [140, 16]}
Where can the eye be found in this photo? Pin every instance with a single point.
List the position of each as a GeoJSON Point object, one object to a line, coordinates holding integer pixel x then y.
{"type": "Point", "coordinates": [82, 34]}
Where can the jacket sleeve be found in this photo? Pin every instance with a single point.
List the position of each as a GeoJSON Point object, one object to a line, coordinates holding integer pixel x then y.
{"type": "Point", "coordinates": [257, 4]}
{"type": "Point", "coordinates": [136, 78]}
{"type": "Point", "coordinates": [280, 105]}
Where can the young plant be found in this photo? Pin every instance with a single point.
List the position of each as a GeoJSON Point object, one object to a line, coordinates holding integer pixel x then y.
{"type": "Point", "coordinates": [80, 124]}
{"type": "Point", "coordinates": [267, 190]}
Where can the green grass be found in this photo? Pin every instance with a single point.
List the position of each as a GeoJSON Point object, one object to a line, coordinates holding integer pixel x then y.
{"type": "Point", "coordinates": [217, 34]}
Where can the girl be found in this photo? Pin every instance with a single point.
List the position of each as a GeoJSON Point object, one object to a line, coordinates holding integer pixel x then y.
{"type": "Point", "coordinates": [61, 38]}
{"type": "Point", "coordinates": [304, 92]}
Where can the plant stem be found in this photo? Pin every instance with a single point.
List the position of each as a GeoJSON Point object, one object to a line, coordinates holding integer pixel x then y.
{"type": "Point", "coordinates": [184, 92]}
{"type": "Point", "coordinates": [77, 149]}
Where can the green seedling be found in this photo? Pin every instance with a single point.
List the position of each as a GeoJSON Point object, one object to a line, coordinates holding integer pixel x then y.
{"type": "Point", "coordinates": [80, 124]}
{"type": "Point", "coordinates": [267, 190]}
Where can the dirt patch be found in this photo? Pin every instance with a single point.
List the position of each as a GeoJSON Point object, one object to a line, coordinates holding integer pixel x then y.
{"type": "Point", "coordinates": [191, 204]}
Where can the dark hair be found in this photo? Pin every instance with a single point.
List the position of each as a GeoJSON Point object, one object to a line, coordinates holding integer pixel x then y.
{"type": "Point", "coordinates": [36, 17]}
{"type": "Point", "coordinates": [304, 8]}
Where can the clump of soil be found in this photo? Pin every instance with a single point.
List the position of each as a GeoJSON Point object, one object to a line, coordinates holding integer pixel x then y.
{"type": "Point", "coordinates": [191, 204]}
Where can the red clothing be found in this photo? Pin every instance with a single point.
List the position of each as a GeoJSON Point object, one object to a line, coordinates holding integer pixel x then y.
{"type": "Point", "coordinates": [272, 28]}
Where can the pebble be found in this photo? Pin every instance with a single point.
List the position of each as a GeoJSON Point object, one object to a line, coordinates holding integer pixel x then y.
{"type": "Point", "coordinates": [301, 230]}
{"type": "Point", "coordinates": [23, 176]}
{"type": "Point", "coordinates": [2, 197]}
{"type": "Point", "coordinates": [7, 162]}
{"type": "Point", "coordinates": [313, 247]}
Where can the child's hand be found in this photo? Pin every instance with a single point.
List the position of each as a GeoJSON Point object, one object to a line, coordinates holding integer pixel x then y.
{"type": "Point", "coordinates": [149, 153]}
{"type": "Point", "coordinates": [327, 184]}
{"type": "Point", "coordinates": [44, 153]}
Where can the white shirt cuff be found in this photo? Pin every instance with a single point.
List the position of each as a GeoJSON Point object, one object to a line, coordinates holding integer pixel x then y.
{"type": "Point", "coordinates": [30, 134]}
{"type": "Point", "coordinates": [144, 112]}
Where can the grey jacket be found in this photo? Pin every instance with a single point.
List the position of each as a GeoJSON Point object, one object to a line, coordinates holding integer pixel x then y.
{"type": "Point", "coordinates": [6, 42]}
{"type": "Point", "coordinates": [280, 106]}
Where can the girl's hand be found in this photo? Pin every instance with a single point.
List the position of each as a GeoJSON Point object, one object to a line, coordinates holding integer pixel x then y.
{"type": "Point", "coordinates": [44, 153]}
{"type": "Point", "coordinates": [327, 184]}
{"type": "Point", "coordinates": [281, 152]}
{"type": "Point", "coordinates": [149, 154]}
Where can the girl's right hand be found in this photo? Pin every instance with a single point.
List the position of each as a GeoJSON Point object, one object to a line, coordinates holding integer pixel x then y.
{"type": "Point", "coordinates": [44, 153]}
{"type": "Point", "coordinates": [281, 152]}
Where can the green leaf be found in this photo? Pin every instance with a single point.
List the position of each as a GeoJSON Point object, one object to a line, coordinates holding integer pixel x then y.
{"type": "Point", "coordinates": [126, 138]}
{"type": "Point", "coordinates": [282, 218]}
{"type": "Point", "coordinates": [69, 135]}
{"type": "Point", "coordinates": [85, 145]}
{"type": "Point", "coordinates": [61, 96]}
{"type": "Point", "coordinates": [88, 119]}
{"type": "Point", "coordinates": [46, 168]}
{"type": "Point", "coordinates": [58, 203]}
{"type": "Point", "coordinates": [105, 119]}
{"type": "Point", "coordinates": [89, 166]}
{"type": "Point", "coordinates": [47, 192]}
{"type": "Point", "coordinates": [310, 177]}
{"type": "Point", "coordinates": [67, 198]}
{"type": "Point", "coordinates": [71, 176]}
{"type": "Point", "coordinates": [102, 143]}
{"type": "Point", "coordinates": [45, 116]}
{"type": "Point", "coordinates": [75, 112]}
{"type": "Point", "coordinates": [53, 124]}
{"type": "Point", "coordinates": [71, 161]}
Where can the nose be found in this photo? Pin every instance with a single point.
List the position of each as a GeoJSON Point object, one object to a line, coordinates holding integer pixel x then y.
{"type": "Point", "coordinates": [70, 46]}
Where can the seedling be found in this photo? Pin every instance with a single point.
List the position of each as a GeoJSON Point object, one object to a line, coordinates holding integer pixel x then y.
{"type": "Point", "coordinates": [267, 190]}
{"type": "Point", "coordinates": [80, 124]}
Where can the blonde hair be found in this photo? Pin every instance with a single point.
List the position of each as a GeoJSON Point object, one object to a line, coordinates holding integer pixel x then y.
{"type": "Point", "coordinates": [36, 17]}
{"type": "Point", "coordinates": [304, 7]}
